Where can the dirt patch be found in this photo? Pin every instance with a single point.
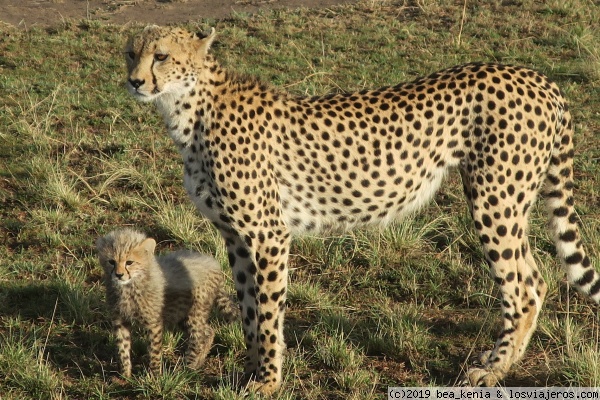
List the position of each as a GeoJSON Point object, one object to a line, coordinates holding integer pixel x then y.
{"type": "Point", "coordinates": [26, 14]}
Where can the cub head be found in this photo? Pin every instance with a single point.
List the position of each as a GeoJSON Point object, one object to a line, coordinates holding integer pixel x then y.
{"type": "Point", "coordinates": [125, 254]}
{"type": "Point", "coordinates": [162, 60]}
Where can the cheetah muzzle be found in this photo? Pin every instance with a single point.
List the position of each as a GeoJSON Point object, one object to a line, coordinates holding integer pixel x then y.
{"type": "Point", "coordinates": [262, 164]}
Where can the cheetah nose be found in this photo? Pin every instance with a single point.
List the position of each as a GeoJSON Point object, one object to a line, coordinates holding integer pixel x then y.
{"type": "Point", "coordinates": [119, 276]}
{"type": "Point", "coordinates": [136, 83]}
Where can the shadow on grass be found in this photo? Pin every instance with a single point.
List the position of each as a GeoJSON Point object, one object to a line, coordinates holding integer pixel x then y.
{"type": "Point", "coordinates": [76, 334]}
{"type": "Point", "coordinates": [70, 327]}
{"type": "Point", "coordinates": [417, 349]}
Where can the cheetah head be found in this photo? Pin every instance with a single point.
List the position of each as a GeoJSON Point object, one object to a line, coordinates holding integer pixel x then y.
{"type": "Point", "coordinates": [125, 255]}
{"type": "Point", "coordinates": [164, 61]}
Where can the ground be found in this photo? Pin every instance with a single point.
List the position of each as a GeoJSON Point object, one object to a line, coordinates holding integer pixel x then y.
{"type": "Point", "coordinates": [50, 12]}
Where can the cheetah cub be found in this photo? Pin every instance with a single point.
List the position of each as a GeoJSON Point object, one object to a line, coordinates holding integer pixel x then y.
{"type": "Point", "coordinates": [158, 291]}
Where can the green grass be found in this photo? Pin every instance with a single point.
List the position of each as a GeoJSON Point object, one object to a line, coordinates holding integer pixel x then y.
{"type": "Point", "coordinates": [402, 306]}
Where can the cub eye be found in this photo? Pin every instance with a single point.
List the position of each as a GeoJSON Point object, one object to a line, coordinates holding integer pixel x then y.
{"type": "Point", "coordinates": [112, 262]}
{"type": "Point", "coordinates": [128, 262]}
{"type": "Point", "coordinates": [160, 57]}
{"type": "Point", "coordinates": [130, 54]}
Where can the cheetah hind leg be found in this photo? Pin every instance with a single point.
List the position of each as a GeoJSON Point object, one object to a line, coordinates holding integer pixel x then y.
{"type": "Point", "coordinates": [200, 341]}
{"type": "Point", "coordinates": [523, 295]}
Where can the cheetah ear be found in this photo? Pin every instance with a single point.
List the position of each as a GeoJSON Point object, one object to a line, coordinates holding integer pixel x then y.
{"type": "Point", "coordinates": [205, 39]}
{"type": "Point", "coordinates": [149, 245]}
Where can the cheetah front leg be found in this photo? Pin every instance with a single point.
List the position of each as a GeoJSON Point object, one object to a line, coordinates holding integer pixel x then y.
{"type": "Point", "coordinates": [123, 335]}
{"type": "Point", "coordinates": [259, 265]}
{"type": "Point", "coordinates": [243, 269]}
{"type": "Point", "coordinates": [155, 331]}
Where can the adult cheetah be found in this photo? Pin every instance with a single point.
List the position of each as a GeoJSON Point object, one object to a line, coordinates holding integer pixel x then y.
{"type": "Point", "coordinates": [262, 164]}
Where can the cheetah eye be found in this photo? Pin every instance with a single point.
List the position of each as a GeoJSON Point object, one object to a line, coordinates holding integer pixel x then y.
{"type": "Point", "coordinates": [130, 54]}
{"type": "Point", "coordinates": [112, 262]}
{"type": "Point", "coordinates": [128, 262]}
{"type": "Point", "coordinates": [160, 57]}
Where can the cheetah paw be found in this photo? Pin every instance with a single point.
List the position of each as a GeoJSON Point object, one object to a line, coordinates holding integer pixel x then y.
{"type": "Point", "coordinates": [480, 377]}
{"type": "Point", "coordinates": [116, 380]}
{"type": "Point", "coordinates": [264, 388]}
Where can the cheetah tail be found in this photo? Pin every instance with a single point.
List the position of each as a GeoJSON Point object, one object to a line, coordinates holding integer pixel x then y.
{"type": "Point", "coordinates": [227, 306]}
{"type": "Point", "coordinates": [558, 193]}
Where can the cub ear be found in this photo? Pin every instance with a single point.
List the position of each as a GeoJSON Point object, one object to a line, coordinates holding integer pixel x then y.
{"type": "Point", "coordinates": [206, 38]}
{"type": "Point", "coordinates": [149, 245]}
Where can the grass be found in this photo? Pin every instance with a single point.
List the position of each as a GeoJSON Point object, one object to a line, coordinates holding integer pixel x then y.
{"type": "Point", "coordinates": [402, 306]}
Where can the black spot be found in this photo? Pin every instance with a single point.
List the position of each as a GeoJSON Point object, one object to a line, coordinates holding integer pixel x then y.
{"type": "Point", "coordinates": [242, 252]}
{"type": "Point", "coordinates": [263, 263]}
{"type": "Point", "coordinates": [494, 255]}
{"type": "Point", "coordinates": [241, 277]}
{"type": "Point", "coordinates": [568, 236]}
{"type": "Point", "coordinates": [487, 221]}
{"type": "Point", "coordinates": [587, 278]}
{"type": "Point", "coordinates": [574, 258]}
{"type": "Point", "coordinates": [507, 254]}
{"type": "Point", "coordinates": [595, 288]}
{"type": "Point", "coordinates": [561, 212]}
{"type": "Point", "coordinates": [501, 230]}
